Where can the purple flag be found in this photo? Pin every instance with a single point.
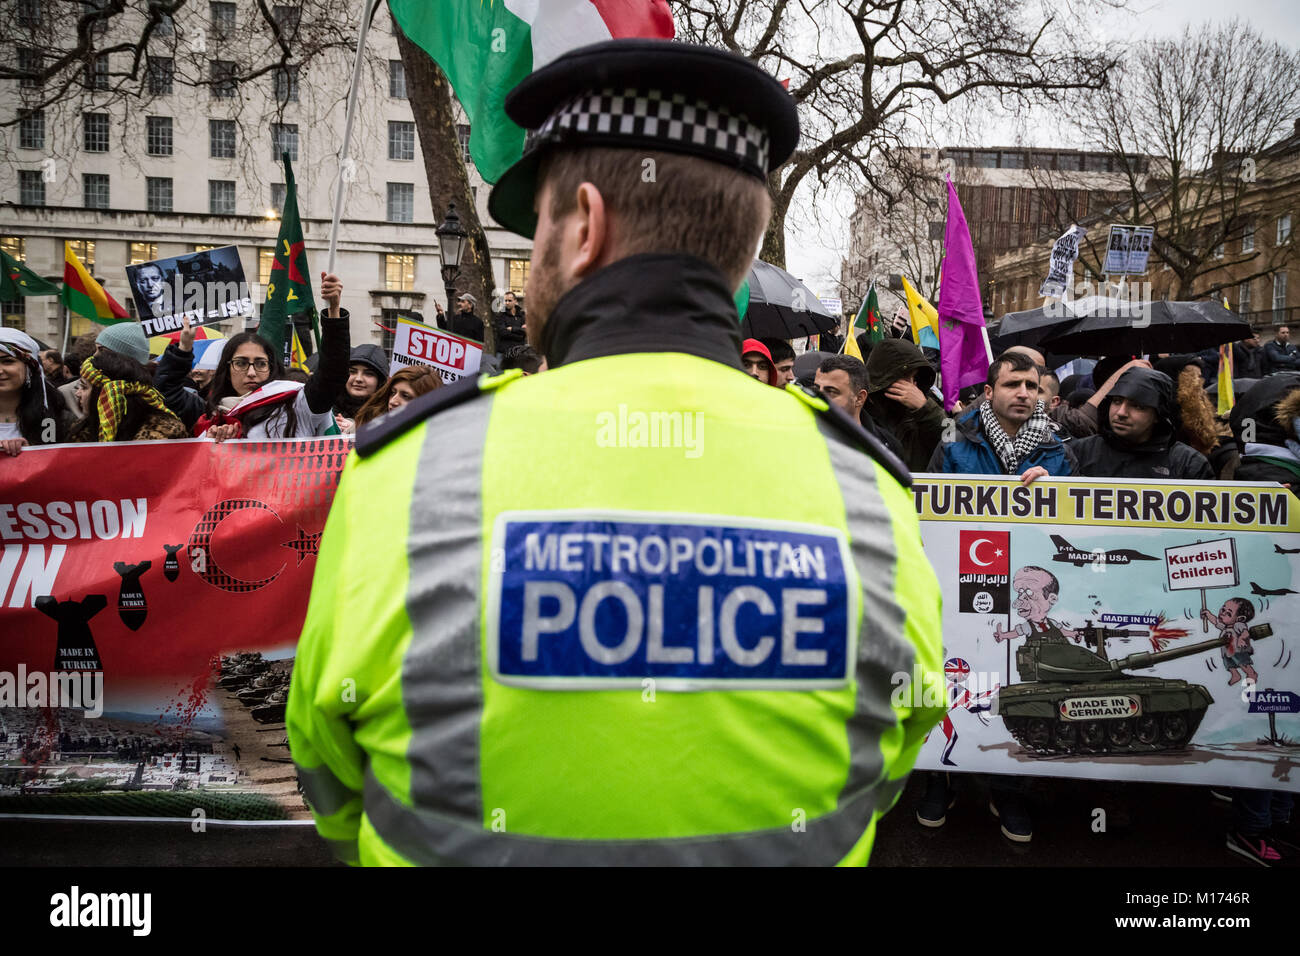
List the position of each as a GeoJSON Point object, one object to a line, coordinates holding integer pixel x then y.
{"type": "Point", "coordinates": [963, 356]}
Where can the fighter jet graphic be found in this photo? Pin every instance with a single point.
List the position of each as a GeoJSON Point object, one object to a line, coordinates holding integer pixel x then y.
{"type": "Point", "coordinates": [1269, 592]}
{"type": "Point", "coordinates": [1068, 553]}
{"type": "Point", "coordinates": [1281, 550]}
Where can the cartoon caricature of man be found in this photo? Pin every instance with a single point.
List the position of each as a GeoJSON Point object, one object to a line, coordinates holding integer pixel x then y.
{"type": "Point", "coordinates": [1036, 591]}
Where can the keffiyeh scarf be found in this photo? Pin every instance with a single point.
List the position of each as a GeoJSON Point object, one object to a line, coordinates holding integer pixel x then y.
{"type": "Point", "coordinates": [1012, 452]}
{"type": "Point", "coordinates": [113, 394]}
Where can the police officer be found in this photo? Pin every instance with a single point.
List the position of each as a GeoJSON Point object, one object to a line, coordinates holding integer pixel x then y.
{"type": "Point", "coordinates": [593, 616]}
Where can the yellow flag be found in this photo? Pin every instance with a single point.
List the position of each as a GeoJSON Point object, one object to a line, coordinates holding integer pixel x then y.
{"type": "Point", "coordinates": [297, 358]}
{"type": "Point", "coordinates": [851, 345]}
{"type": "Point", "coordinates": [925, 317]}
{"type": "Point", "coordinates": [1226, 397]}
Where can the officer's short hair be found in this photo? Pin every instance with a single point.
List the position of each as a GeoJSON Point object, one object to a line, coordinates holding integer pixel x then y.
{"type": "Point", "coordinates": [1015, 361]}
{"type": "Point", "coordinates": [689, 205]}
{"type": "Point", "coordinates": [857, 372]}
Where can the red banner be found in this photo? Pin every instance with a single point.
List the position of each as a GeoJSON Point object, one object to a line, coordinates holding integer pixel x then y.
{"type": "Point", "coordinates": [135, 568]}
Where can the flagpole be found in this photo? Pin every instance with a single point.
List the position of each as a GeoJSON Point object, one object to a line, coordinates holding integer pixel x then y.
{"type": "Point", "coordinates": [368, 12]}
{"type": "Point", "coordinates": [67, 326]}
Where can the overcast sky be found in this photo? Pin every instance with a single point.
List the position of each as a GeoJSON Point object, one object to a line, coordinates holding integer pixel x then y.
{"type": "Point", "coordinates": [816, 243]}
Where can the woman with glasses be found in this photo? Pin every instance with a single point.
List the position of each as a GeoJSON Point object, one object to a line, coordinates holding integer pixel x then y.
{"type": "Point", "coordinates": [250, 396]}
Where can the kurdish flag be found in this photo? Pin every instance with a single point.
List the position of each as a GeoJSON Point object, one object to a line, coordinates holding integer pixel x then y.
{"type": "Point", "coordinates": [18, 280]}
{"type": "Point", "coordinates": [869, 316]}
{"type": "Point", "coordinates": [924, 316]}
{"type": "Point", "coordinates": [486, 48]}
{"type": "Point", "coordinates": [84, 296]}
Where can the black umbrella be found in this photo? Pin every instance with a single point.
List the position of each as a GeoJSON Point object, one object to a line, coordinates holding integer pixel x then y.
{"type": "Point", "coordinates": [1122, 327]}
{"type": "Point", "coordinates": [1034, 325]}
{"type": "Point", "coordinates": [782, 307]}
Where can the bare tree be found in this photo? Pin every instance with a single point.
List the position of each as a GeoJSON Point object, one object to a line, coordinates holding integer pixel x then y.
{"type": "Point", "coordinates": [444, 165]}
{"type": "Point", "coordinates": [1209, 104]}
{"type": "Point", "coordinates": [867, 74]}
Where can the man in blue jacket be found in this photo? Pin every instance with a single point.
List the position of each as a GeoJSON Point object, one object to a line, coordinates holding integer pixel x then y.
{"type": "Point", "coordinates": [1009, 433]}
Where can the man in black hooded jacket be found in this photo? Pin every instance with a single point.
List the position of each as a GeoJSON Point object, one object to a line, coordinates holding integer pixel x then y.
{"type": "Point", "coordinates": [1137, 423]}
{"type": "Point", "coordinates": [899, 399]}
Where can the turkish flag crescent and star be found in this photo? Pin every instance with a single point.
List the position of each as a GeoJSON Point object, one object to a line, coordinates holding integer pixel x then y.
{"type": "Point", "coordinates": [984, 569]}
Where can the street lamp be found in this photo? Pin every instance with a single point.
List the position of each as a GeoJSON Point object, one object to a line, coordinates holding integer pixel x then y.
{"type": "Point", "coordinates": [452, 239]}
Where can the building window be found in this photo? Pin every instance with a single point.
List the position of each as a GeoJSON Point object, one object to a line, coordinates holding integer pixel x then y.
{"type": "Point", "coordinates": [221, 139]}
{"type": "Point", "coordinates": [14, 247]}
{"type": "Point", "coordinates": [986, 159]}
{"type": "Point", "coordinates": [517, 274]}
{"type": "Point", "coordinates": [401, 140]}
{"type": "Point", "coordinates": [94, 190]}
{"type": "Point", "coordinates": [462, 133]}
{"type": "Point", "coordinates": [396, 80]}
{"type": "Point", "coordinates": [31, 129]}
{"type": "Point", "coordinates": [1012, 160]}
{"type": "Point", "coordinates": [286, 18]}
{"type": "Point", "coordinates": [95, 127]}
{"type": "Point", "coordinates": [222, 75]}
{"type": "Point", "coordinates": [1218, 251]}
{"type": "Point", "coordinates": [158, 193]}
{"type": "Point", "coordinates": [221, 197]}
{"type": "Point", "coordinates": [284, 139]}
{"type": "Point", "coordinates": [278, 193]}
{"type": "Point", "coordinates": [1283, 228]}
{"type": "Point", "coordinates": [143, 252]}
{"type": "Point", "coordinates": [265, 259]}
{"type": "Point", "coordinates": [160, 72]}
{"type": "Point", "coordinates": [1243, 298]}
{"type": "Point", "coordinates": [401, 202]}
{"type": "Point", "coordinates": [31, 187]}
{"type": "Point", "coordinates": [84, 249]}
{"type": "Point", "coordinates": [30, 62]}
{"type": "Point", "coordinates": [223, 19]}
{"type": "Point", "coordinates": [158, 135]}
{"type": "Point", "coordinates": [13, 315]}
{"type": "Point", "coordinates": [29, 13]}
{"type": "Point", "coordinates": [1248, 237]}
{"type": "Point", "coordinates": [97, 72]}
{"type": "Point", "coordinates": [100, 24]}
{"type": "Point", "coordinates": [399, 273]}
{"type": "Point", "coordinates": [166, 25]}
{"type": "Point", "coordinates": [202, 247]}
{"type": "Point", "coordinates": [286, 84]}
{"type": "Point", "coordinates": [1279, 295]}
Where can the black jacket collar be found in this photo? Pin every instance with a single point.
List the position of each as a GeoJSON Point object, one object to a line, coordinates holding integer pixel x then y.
{"type": "Point", "coordinates": [653, 302]}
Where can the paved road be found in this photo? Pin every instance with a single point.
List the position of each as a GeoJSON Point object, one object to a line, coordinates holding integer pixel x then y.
{"type": "Point", "coordinates": [1168, 826]}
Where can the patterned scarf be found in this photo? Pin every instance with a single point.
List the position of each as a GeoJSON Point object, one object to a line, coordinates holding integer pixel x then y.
{"type": "Point", "coordinates": [113, 394]}
{"type": "Point", "coordinates": [1032, 434]}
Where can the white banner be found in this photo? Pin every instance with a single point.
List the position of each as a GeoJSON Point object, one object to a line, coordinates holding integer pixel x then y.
{"type": "Point", "coordinates": [1060, 273]}
{"type": "Point", "coordinates": [418, 344]}
{"type": "Point", "coordinates": [1114, 629]}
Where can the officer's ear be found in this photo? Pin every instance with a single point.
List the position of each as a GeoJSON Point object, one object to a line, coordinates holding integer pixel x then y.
{"type": "Point", "coordinates": [588, 232]}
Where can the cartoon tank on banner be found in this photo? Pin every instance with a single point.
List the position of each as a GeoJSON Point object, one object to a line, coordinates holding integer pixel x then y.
{"type": "Point", "coordinates": [1075, 700]}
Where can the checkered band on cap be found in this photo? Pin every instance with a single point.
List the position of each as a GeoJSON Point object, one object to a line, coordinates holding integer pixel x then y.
{"type": "Point", "coordinates": [646, 113]}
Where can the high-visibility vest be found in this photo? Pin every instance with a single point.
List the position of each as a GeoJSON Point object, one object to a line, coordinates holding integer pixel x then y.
{"type": "Point", "coordinates": [638, 609]}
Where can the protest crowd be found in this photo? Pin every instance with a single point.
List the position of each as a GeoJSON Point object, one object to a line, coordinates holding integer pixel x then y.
{"type": "Point", "coordinates": [1033, 416]}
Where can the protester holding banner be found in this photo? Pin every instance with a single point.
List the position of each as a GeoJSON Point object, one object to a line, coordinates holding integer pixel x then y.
{"type": "Point", "coordinates": [249, 396]}
{"type": "Point", "coordinates": [29, 410]}
{"type": "Point", "coordinates": [1009, 432]}
{"type": "Point", "coordinates": [121, 403]}
{"type": "Point", "coordinates": [406, 385]}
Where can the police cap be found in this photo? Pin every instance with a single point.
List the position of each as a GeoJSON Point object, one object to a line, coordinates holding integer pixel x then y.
{"type": "Point", "coordinates": [645, 94]}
